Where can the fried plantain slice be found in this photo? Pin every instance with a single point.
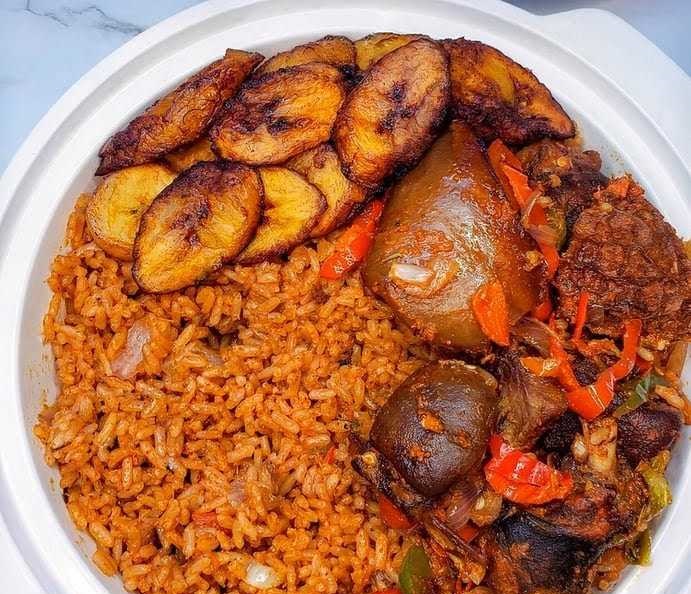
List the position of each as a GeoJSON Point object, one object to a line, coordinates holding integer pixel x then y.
{"type": "Point", "coordinates": [118, 203]}
{"type": "Point", "coordinates": [181, 116]}
{"type": "Point", "coordinates": [336, 50]}
{"type": "Point", "coordinates": [293, 207]}
{"type": "Point", "coordinates": [279, 115]}
{"type": "Point", "coordinates": [190, 154]}
{"type": "Point", "coordinates": [322, 167]}
{"type": "Point", "coordinates": [500, 98]}
{"type": "Point", "coordinates": [392, 116]}
{"type": "Point", "coordinates": [375, 46]}
{"type": "Point", "coordinates": [203, 219]}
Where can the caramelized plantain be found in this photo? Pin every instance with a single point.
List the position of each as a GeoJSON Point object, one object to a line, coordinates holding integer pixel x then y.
{"type": "Point", "coordinates": [322, 167]}
{"type": "Point", "coordinates": [118, 203]}
{"type": "Point", "coordinates": [280, 114]}
{"type": "Point", "coordinates": [500, 98]}
{"type": "Point", "coordinates": [203, 219]}
{"type": "Point", "coordinates": [333, 49]}
{"type": "Point", "coordinates": [186, 156]}
{"type": "Point", "coordinates": [392, 116]}
{"type": "Point", "coordinates": [375, 46]}
{"type": "Point", "coordinates": [293, 207]}
{"type": "Point", "coordinates": [181, 116]}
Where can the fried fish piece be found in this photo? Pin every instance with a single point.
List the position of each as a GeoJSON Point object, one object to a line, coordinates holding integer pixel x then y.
{"type": "Point", "coordinates": [336, 50]}
{"type": "Point", "coordinates": [392, 116]}
{"type": "Point", "coordinates": [322, 167]}
{"type": "Point", "coordinates": [118, 203]}
{"type": "Point", "coordinates": [280, 114]}
{"type": "Point", "coordinates": [203, 219]}
{"type": "Point", "coordinates": [375, 46]}
{"type": "Point", "coordinates": [499, 98]}
{"type": "Point", "coordinates": [181, 116]}
{"type": "Point", "coordinates": [293, 207]}
{"type": "Point", "coordinates": [190, 154]}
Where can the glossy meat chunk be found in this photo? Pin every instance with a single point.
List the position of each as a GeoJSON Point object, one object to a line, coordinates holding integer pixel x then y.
{"type": "Point", "coordinates": [569, 176]}
{"type": "Point", "coordinates": [446, 230]}
{"type": "Point", "coordinates": [435, 427]}
{"type": "Point", "coordinates": [528, 404]}
{"type": "Point", "coordinates": [646, 431]}
{"type": "Point", "coordinates": [631, 262]}
{"type": "Point", "coordinates": [527, 555]}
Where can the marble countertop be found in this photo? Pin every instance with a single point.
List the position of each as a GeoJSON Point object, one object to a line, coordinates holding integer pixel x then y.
{"type": "Point", "coordinates": [47, 45]}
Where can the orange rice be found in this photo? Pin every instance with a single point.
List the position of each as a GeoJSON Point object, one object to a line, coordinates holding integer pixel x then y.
{"type": "Point", "coordinates": [230, 443]}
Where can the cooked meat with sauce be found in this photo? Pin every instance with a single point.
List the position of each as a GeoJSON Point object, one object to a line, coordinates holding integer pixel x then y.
{"type": "Point", "coordinates": [528, 404]}
{"type": "Point", "coordinates": [446, 230]}
{"type": "Point", "coordinates": [569, 176]}
{"type": "Point", "coordinates": [357, 336]}
{"type": "Point", "coordinates": [434, 428]}
{"type": "Point", "coordinates": [630, 261]}
{"type": "Point", "coordinates": [527, 555]}
{"type": "Point", "coordinates": [647, 431]}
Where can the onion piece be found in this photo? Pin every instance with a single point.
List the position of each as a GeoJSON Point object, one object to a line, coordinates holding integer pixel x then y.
{"type": "Point", "coordinates": [543, 234]}
{"type": "Point", "coordinates": [261, 576]}
{"type": "Point", "coordinates": [410, 274]}
{"type": "Point", "coordinates": [124, 365]}
{"type": "Point", "coordinates": [460, 504]}
{"type": "Point", "coordinates": [236, 493]}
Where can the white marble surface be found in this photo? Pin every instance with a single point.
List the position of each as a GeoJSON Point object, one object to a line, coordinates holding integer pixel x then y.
{"type": "Point", "coordinates": [46, 45]}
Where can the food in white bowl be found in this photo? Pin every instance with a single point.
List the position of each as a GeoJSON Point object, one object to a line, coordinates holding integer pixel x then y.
{"type": "Point", "coordinates": [241, 408]}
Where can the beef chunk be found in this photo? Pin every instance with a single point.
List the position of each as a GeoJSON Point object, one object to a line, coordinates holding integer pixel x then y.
{"type": "Point", "coordinates": [527, 555]}
{"type": "Point", "coordinates": [528, 404]}
{"type": "Point", "coordinates": [646, 431]}
{"type": "Point", "coordinates": [570, 177]}
{"type": "Point", "coordinates": [631, 262]}
{"type": "Point", "coordinates": [559, 437]}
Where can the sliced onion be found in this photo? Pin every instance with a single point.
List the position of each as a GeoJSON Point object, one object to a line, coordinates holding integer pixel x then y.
{"type": "Point", "coordinates": [125, 363]}
{"type": "Point", "coordinates": [543, 234]}
{"type": "Point", "coordinates": [261, 576]}
{"type": "Point", "coordinates": [236, 493]}
{"type": "Point", "coordinates": [676, 360]}
{"type": "Point", "coordinates": [410, 274]}
{"type": "Point", "coordinates": [460, 505]}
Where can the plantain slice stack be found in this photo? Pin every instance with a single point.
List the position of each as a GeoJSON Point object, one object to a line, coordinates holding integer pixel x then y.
{"type": "Point", "coordinates": [293, 207]}
{"type": "Point", "coordinates": [322, 167]}
{"type": "Point", "coordinates": [204, 218]}
{"type": "Point", "coordinates": [370, 49]}
{"type": "Point", "coordinates": [118, 203]}
{"type": "Point", "coordinates": [336, 50]}
{"type": "Point", "coordinates": [190, 154]}
{"type": "Point", "coordinates": [500, 98]}
{"type": "Point", "coordinates": [181, 116]}
{"type": "Point", "coordinates": [392, 116]}
{"type": "Point", "coordinates": [280, 114]}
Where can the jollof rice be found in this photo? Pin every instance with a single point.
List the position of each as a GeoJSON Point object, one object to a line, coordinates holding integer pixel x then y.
{"type": "Point", "coordinates": [214, 435]}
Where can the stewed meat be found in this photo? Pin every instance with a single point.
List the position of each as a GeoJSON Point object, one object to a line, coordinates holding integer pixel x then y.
{"type": "Point", "coordinates": [630, 261]}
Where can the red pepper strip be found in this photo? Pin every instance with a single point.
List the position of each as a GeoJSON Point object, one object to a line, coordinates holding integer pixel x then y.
{"type": "Point", "coordinates": [564, 373]}
{"type": "Point", "coordinates": [515, 185]}
{"type": "Point", "coordinates": [491, 312]}
{"type": "Point", "coordinates": [388, 591]}
{"type": "Point", "coordinates": [522, 478]}
{"type": "Point", "coordinates": [543, 310]}
{"type": "Point", "coordinates": [581, 315]}
{"type": "Point", "coordinates": [499, 155]}
{"type": "Point", "coordinates": [591, 401]}
{"type": "Point", "coordinates": [468, 532]}
{"type": "Point", "coordinates": [643, 365]}
{"type": "Point", "coordinates": [392, 516]}
{"type": "Point", "coordinates": [330, 455]}
{"type": "Point", "coordinates": [542, 367]}
{"type": "Point", "coordinates": [352, 246]}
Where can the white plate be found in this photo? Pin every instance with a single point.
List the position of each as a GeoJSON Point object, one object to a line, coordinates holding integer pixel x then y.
{"type": "Point", "coordinates": [631, 102]}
